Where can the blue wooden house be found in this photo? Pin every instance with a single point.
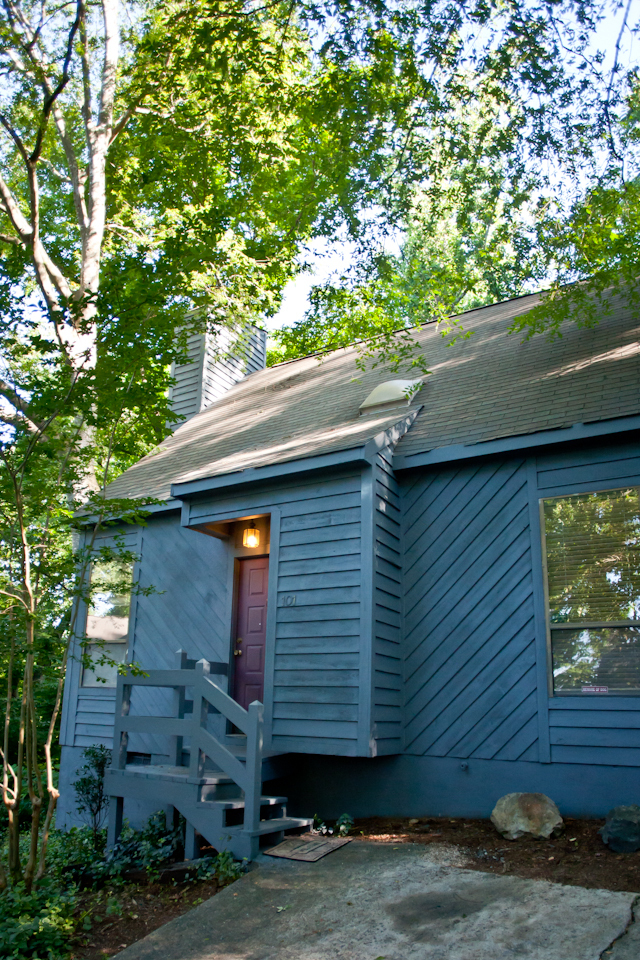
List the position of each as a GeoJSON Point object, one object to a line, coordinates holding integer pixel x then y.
{"type": "Point", "coordinates": [381, 597]}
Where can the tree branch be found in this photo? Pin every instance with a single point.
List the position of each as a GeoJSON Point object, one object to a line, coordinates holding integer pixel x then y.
{"type": "Point", "coordinates": [17, 420]}
{"type": "Point", "coordinates": [15, 214]}
{"type": "Point", "coordinates": [55, 93]}
{"type": "Point", "coordinates": [6, 238]}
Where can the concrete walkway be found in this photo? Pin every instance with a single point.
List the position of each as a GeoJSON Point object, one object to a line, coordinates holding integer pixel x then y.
{"type": "Point", "coordinates": [371, 901]}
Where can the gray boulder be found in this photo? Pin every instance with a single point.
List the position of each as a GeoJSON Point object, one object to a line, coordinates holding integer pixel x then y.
{"type": "Point", "coordinates": [621, 831]}
{"type": "Point", "coordinates": [527, 815]}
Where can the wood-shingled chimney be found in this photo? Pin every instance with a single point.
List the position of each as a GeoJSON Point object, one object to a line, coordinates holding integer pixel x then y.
{"type": "Point", "coordinates": [216, 362]}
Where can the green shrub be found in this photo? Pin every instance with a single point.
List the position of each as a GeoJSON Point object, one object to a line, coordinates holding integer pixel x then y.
{"type": "Point", "coordinates": [146, 849]}
{"type": "Point", "coordinates": [80, 854]}
{"type": "Point", "coordinates": [92, 802]}
{"type": "Point", "coordinates": [36, 925]}
{"type": "Point", "coordinates": [75, 853]}
{"type": "Point", "coordinates": [223, 867]}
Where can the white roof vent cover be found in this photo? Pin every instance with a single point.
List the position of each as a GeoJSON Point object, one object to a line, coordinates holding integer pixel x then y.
{"type": "Point", "coordinates": [391, 393]}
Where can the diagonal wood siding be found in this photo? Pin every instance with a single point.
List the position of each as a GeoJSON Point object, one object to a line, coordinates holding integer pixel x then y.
{"type": "Point", "coordinates": [469, 637]}
{"type": "Point", "coordinates": [387, 582]}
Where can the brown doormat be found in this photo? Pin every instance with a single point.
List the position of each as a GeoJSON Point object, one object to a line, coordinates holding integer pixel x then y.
{"type": "Point", "coordinates": [307, 847]}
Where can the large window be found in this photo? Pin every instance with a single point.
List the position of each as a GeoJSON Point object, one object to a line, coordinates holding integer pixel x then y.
{"type": "Point", "coordinates": [107, 622]}
{"type": "Point", "coordinates": [592, 545]}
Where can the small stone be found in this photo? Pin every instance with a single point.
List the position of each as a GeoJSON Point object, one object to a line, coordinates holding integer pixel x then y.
{"type": "Point", "coordinates": [413, 822]}
{"type": "Point", "coordinates": [621, 831]}
{"type": "Point", "coordinates": [527, 815]}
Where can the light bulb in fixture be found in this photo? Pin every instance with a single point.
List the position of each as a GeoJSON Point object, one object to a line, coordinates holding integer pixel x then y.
{"type": "Point", "coordinates": [251, 536]}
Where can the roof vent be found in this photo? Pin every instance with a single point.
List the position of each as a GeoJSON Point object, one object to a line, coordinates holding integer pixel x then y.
{"type": "Point", "coordinates": [391, 393]}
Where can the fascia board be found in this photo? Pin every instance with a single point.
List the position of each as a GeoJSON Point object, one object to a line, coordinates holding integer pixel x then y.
{"type": "Point", "coordinates": [272, 471]}
{"type": "Point", "coordinates": [465, 451]}
{"type": "Point", "coordinates": [167, 506]}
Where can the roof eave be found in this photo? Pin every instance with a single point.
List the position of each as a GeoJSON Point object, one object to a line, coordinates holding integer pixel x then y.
{"type": "Point", "coordinates": [362, 453]}
{"type": "Point", "coordinates": [543, 438]}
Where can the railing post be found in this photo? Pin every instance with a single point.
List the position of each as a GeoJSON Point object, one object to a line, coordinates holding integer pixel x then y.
{"type": "Point", "coordinates": [120, 736]}
{"type": "Point", "coordinates": [175, 750]}
{"type": "Point", "coordinates": [200, 712]}
{"type": "Point", "coordinates": [253, 791]}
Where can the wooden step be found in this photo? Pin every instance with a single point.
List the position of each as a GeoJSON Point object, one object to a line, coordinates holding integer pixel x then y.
{"type": "Point", "coordinates": [175, 774]}
{"type": "Point", "coordinates": [280, 824]}
{"type": "Point", "coordinates": [239, 803]}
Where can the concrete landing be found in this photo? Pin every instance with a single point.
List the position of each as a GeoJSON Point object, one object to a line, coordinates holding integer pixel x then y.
{"type": "Point", "coordinates": [371, 901]}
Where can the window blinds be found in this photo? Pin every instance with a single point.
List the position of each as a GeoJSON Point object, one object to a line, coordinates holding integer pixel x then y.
{"type": "Point", "coordinates": [593, 557]}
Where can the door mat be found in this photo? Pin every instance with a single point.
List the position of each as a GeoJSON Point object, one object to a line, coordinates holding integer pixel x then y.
{"type": "Point", "coordinates": [307, 847]}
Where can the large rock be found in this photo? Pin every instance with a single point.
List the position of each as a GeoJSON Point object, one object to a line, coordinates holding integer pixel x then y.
{"type": "Point", "coordinates": [526, 815]}
{"type": "Point", "coordinates": [621, 831]}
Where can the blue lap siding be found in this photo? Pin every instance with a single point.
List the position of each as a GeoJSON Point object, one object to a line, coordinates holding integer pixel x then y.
{"type": "Point", "coordinates": [314, 701]}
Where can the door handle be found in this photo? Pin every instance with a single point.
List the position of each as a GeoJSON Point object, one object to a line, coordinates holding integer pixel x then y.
{"type": "Point", "coordinates": [237, 653]}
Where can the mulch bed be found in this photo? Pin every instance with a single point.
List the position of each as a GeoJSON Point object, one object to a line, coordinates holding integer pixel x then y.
{"type": "Point", "coordinates": [144, 907]}
{"type": "Point", "coordinates": [578, 857]}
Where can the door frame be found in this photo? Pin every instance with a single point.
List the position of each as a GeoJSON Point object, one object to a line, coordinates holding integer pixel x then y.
{"type": "Point", "coordinates": [237, 562]}
{"type": "Point", "coordinates": [233, 577]}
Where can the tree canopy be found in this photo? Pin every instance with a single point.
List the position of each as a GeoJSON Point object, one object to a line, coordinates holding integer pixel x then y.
{"type": "Point", "coordinates": [520, 179]}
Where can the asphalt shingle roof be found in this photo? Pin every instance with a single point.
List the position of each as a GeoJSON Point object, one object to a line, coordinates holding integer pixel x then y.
{"type": "Point", "coordinates": [489, 386]}
{"type": "Point", "coordinates": [494, 385]}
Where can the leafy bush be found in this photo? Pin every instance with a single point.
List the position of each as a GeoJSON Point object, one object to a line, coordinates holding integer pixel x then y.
{"type": "Point", "coordinates": [146, 849]}
{"type": "Point", "coordinates": [72, 854]}
{"type": "Point", "coordinates": [344, 824]}
{"type": "Point", "coordinates": [91, 800]}
{"type": "Point", "coordinates": [39, 925]}
{"type": "Point", "coordinates": [36, 925]}
{"type": "Point", "coordinates": [223, 867]}
{"type": "Point", "coordinates": [76, 853]}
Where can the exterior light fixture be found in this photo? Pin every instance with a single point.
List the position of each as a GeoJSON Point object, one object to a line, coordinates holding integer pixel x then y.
{"type": "Point", "coordinates": [251, 536]}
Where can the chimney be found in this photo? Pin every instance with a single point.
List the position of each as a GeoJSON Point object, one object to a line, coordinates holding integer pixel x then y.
{"type": "Point", "coordinates": [213, 368]}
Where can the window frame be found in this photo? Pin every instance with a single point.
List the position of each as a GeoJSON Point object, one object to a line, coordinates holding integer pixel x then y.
{"type": "Point", "coordinates": [74, 692]}
{"type": "Point", "coordinates": [554, 695]}
{"type": "Point", "coordinates": [88, 642]}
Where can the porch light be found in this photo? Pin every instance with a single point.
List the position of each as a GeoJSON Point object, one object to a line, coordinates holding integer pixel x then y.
{"type": "Point", "coordinates": [251, 536]}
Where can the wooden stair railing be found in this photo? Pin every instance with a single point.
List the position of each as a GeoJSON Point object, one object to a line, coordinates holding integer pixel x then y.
{"type": "Point", "coordinates": [197, 675]}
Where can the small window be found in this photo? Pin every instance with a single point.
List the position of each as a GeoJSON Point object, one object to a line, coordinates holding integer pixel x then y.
{"type": "Point", "coordinates": [107, 621]}
{"type": "Point", "coordinates": [592, 546]}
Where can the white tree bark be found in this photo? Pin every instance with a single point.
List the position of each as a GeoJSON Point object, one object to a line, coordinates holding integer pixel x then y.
{"type": "Point", "coordinates": [85, 171]}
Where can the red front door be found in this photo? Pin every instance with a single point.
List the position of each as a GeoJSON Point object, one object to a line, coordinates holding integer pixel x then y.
{"type": "Point", "coordinates": [251, 631]}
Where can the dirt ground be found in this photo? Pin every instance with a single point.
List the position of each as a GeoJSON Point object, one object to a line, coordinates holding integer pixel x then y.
{"type": "Point", "coordinates": [578, 857]}
{"type": "Point", "coordinates": [112, 919]}
{"type": "Point", "coordinates": [115, 918]}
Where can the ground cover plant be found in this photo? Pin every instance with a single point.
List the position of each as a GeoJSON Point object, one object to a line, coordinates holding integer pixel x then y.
{"type": "Point", "coordinates": [93, 902]}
